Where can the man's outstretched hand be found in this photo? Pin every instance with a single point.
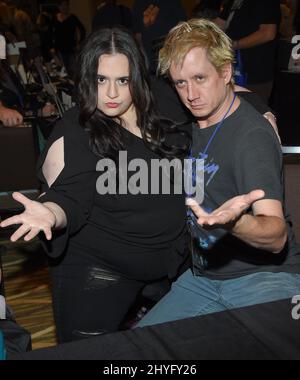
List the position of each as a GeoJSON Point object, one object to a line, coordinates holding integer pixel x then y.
{"type": "Point", "coordinates": [229, 213]}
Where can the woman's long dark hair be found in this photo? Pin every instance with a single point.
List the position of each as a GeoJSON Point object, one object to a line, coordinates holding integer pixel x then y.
{"type": "Point", "coordinates": [105, 133]}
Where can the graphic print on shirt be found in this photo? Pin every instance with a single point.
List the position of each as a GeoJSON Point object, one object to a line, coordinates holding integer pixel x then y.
{"type": "Point", "coordinates": [205, 239]}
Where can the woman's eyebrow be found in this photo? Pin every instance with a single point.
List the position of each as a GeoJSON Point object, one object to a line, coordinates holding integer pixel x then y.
{"type": "Point", "coordinates": [105, 77]}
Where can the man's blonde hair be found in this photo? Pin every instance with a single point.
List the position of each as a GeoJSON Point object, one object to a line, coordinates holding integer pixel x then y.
{"type": "Point", "coordinates": [191, 34]}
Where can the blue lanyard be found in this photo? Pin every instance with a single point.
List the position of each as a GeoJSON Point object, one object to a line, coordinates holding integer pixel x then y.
{"type": "Point", "coordinates": [218, 127]}
{"type": "Point", "coordinates": [204, 154]}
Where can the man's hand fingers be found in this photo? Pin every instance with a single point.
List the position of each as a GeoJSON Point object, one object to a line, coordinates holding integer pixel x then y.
{"type": "Point", "coordinates": [191, 202]}
{"type": "Point", "coordinates": [219, 219]}
{"type": "Point", "coordinates": [197, 210]}
{"type": "Point", "coordinates": [254, 196]}
{"type": "Point", "coordinates": [214, 220]}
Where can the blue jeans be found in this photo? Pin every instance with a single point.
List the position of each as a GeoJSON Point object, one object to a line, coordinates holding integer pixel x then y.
{"type": "Point", "coordinates": [193, 296]}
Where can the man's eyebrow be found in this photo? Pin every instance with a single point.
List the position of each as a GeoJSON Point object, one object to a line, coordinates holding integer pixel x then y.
{"type": "Point", "coordinates": [178, 80]}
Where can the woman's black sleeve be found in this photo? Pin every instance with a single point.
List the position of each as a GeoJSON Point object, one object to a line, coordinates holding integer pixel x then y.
{"type": "Point", "coordinates": [74, 188]}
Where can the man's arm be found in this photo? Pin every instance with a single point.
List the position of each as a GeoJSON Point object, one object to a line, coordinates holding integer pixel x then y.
{"type": "Point", "coordinates": [265, 33]}
{"type": "Point", "coordinates": [266, 229]}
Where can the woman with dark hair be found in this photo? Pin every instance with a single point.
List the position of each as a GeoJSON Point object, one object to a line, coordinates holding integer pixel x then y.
{"type": "Point", "coordinates": [107, 245]}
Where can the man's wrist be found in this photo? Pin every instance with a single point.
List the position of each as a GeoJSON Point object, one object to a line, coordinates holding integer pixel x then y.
{"type": "Point", "coordinates": [239, 223]}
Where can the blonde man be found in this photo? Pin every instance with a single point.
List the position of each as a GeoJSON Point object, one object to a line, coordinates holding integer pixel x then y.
{"type": "Point", "coordinates": [240, 259]}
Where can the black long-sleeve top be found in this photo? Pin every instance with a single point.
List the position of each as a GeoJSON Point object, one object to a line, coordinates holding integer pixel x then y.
{"type": "Point", "coordinates": [141, 236]}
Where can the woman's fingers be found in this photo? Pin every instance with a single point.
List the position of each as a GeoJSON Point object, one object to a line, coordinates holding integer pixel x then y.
{"type": "Point", "coordinates": [12, 221]}
{"type": "Point", "coordinates": [48, 233]}
{"type": "Point", "coordinates": [32, 234]}
{"type": "Point", "coordinates": [35, 231]}
{"type": "Point", "coordinates": [19, 233]}
{"type": "Point", "coordinates": [21, 199]}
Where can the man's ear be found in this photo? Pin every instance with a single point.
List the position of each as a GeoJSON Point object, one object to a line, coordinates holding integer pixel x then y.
{"type": "Point", "coordinates": [227, 73]}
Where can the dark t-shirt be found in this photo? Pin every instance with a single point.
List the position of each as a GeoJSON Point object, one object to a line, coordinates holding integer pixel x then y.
{"type": "Point", "coordinates": [110, 15]}
{"type": "Point", "coordinates": [141, 236]}
{"type": "Point", "coordinates": [65, 34]}
{"type": "Point", "coordinates": [170, 14]}
{"type": "Point", "coordinates": [259, 61]}
{"type": "Point", "coordinates": [250, 159]}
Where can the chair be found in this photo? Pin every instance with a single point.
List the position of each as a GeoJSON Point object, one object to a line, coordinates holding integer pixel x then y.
{"type": "Point", "coordinates": [18, 156]}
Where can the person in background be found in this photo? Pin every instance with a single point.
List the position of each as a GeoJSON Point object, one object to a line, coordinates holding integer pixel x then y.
{"type": "Point", "coordinates": [288, 13]}
{"type": "Point", "coordinates": [13, 99]}
{"type": "Point", "coordinates": [10, 117]}
{"type": "Point", "coordinates": [110, 14]}
{"type": "Point", "coordinates": [24, 30]}
{"type": "Point", "coordinates": [253, 25]}
{"type": "Point", "coordinates": [45, 29]}
{"type": "Point", "coordinates": [152, 20]}
{"type": "Point", "coordinates": [6, 23]}
{"type": "Point", "coordinates": [208, 9]}
{"type": "Point", "coordinates": [68, 35]}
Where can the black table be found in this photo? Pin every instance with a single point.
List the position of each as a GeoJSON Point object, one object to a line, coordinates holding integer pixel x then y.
{"type": "Point", "coordinates": [265, 332]}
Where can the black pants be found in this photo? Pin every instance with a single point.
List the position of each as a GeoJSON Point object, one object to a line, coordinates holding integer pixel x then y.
{"type": "Point", "coordinates": [90, 301]}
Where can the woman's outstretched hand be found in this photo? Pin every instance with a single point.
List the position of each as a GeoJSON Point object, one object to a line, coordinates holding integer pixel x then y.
{"type": "Point", "coordinates": [36, 218]}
